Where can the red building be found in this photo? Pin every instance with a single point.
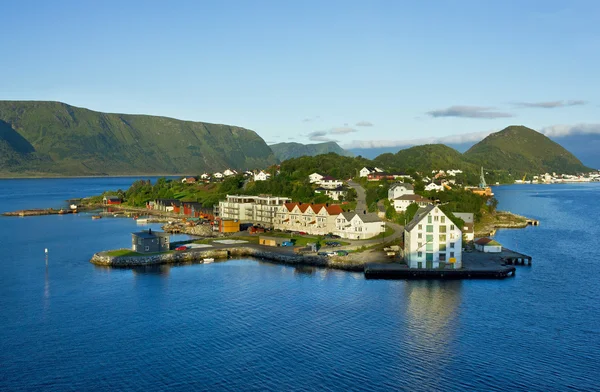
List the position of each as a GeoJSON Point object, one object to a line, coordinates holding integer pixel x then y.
{"type": "Point", "coordinates": [108, 200]}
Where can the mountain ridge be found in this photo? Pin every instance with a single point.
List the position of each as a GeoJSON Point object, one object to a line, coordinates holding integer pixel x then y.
{"type": "Point", "coordinates": [288, 150]}
{"type": "Point", "coordinates": [68, 140]}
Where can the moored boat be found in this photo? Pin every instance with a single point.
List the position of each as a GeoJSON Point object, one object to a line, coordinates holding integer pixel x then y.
{"type": "Point", "coordinates": [208, 260]}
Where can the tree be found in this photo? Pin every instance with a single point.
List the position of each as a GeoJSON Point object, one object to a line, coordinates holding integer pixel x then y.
{"type": "Point", "coordinates": [411, 210]}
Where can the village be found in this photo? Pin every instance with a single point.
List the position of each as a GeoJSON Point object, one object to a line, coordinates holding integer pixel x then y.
{"type": "Point", "coordinates": [343, 233]}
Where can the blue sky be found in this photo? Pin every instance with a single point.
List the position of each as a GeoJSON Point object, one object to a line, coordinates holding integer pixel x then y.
{"type": "Point", "coordinates": [373, 73]}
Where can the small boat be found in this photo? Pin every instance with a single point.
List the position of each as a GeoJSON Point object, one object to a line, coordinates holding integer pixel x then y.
{"type": "Point", "coordinates": [96, 216]}
{"type": "Point", "coordinates": [208, 260]}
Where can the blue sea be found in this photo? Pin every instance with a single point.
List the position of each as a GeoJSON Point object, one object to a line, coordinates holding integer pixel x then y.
{"type": "Point", "coordinates": [244, 325]}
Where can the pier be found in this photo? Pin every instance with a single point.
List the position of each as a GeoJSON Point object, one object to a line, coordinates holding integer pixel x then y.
{"type": "Point", "coordinates": [476, 265]}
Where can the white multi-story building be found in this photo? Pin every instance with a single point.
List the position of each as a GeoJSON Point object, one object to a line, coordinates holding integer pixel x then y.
{"type": "Point", "coordinates": [434, 187]}
{"type": "Point", "coordinates": [400, 189]}
{"type": "Point", "coordinates": [261, 176]}
{"type": "Point", "coordinates": [401, 203]}
{"type": "Point", "coordinates": [432, 238]}
{"type": "Point", "coordinates": [255, 209]}
{"type": "Point", "coordinates": [335, 194]}
{"type": "Point", "coordinates": [318, 219]}
{"type": "Point", "coordinates": [357, 226]}
{"type": "Point", "coordinates": [314, 178]}
{"type": "Point", "coordinates": [365, 171]}
{"type": "Point", "coordinates": [329, 182]}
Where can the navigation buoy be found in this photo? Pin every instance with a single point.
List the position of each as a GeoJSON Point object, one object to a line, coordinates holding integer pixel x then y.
{"type": "Point", "coordinates": [46, 250]}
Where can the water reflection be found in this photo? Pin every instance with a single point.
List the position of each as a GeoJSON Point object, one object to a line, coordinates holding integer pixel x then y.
{"type": "Point", "coordinates": [161, 269]}
{"type": "Point", "coordinates": [432, 321]}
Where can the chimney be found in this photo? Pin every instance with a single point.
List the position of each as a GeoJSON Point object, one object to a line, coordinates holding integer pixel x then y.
{"type": "Point", "coordinates": [326, 204]}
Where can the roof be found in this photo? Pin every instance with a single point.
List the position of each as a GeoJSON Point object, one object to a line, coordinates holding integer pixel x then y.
{"type": "Point", "coordinates": [334, 209]}
{"type": "Point", "coordinates": [412, 197]}
{"type": "Point", "coordinates": [112, 197]}
{"type": "Point", "coordinates": [369, 168]}
{"type": "Point", "coordinates": [366, 218]}
{"type": "Point", "coordinates": [398, 184]}
{"type": "Point", "coordinates": [487, 242]}
{"type": "Point", "coordinates": [149, 234]}
{"type": "Point", "coordinates": [421, 213]}
{"type": "Point", "coordinates": [328, 178]}
{"type": "Point", "coordinates": [470, 227]}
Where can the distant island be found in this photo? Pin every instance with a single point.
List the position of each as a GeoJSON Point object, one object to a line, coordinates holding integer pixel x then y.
{"type": "Point", "coordinates": [39, 138]}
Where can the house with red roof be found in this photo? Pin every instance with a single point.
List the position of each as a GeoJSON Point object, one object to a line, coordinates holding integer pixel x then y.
{"type": "Point", "coordinates": [317, 219]}
{"type": "Point", "coordinates": [488, 245]}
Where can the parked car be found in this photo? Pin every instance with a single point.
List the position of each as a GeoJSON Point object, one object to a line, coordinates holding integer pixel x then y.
{"type": "Point", "coordinates": [287, 243]}
{"type": "Point", "coordinates": [342, 253]}
{"type": "Point", "coordinates": [182, 247]}
{"type": "Point", "coordinates": [331, 235]}
{"type": "Point", "coordinates": [302, 233]}
{"type": "Point", "coordinates": [332, 243]}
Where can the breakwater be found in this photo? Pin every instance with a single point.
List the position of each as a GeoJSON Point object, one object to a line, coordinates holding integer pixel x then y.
{"type": "Point", "coordinates": [102, 258]}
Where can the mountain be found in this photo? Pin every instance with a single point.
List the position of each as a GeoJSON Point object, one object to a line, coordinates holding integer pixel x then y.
{"type": "Point", "coordinates": [284, 151]}
{"type": "Point", "coordinates": [53, 138]}
{"type": "Point", "coordinates": [583, 146]}
{"type": "Point", "coordinates": [424, 158]}
{"type": "Point", "coordinates": [522, 150]}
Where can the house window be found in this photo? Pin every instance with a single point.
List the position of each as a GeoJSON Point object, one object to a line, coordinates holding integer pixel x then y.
{"type": "Point", "coordinates": [451, 227]}
{"type": "Point", "coordinates": [419, 245]}
{"type": "Point", "coordinates": [430, 228]}
{"type": "Point", "coordinates": [429, 219]}
{"type": "Point", "coordinates": [419, 235]}
{"type": "Point", "coordinates": [442, 229]}
{"type": "Point", "coordinates": [451, 255]}
{"type": "Point", "coordinates": [443, 219]}
{"type": "Point", "coordinates": [139, 241]}
{"type": "Point", "coordinates": [436, 218]}
{"type": "Point", "coordinates": [147, 248]}
{"type": "Point", "coordinates": [419, 254]}
{"type": "Point", "coordinates": [442, 257]}
{"type": "Point", "coordinates": [442, 237]}
{"type": "Point", "coordinates": [420, 227]}
{"type": "Point", "coordinates": [452, 244]}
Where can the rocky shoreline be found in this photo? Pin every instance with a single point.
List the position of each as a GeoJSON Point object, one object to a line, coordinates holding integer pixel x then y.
{"type": "Point", "coordinates": [103, 259]}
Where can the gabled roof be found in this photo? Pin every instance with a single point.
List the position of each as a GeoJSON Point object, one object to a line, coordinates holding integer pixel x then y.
{"type": "Point", "coordinates": [112, 197]}
{"type": "Point", "coordinates": [369, 218]}
{"type": "Point", "coordinates": [334, 209]}
{"type": "Point", "coordinates": [328, 178]}
{"type": "Point", "coordinates": [290, 206]}
{"type": "Point", "coordinates": [399, 184]}
{"type": "Point", "coordinates": [487, 241]}
{"type": "Point", "coordinates": [421, 213]}
{"type": "Point", "coordinates": [369, 168]}
{"type": "Point", "coordinates": [148, 234]}
{"type": "Point", "coordinates": [412, 198]}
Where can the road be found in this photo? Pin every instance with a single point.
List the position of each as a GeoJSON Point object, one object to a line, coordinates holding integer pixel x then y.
{"type": "Point", "coordinates": [361, 196]}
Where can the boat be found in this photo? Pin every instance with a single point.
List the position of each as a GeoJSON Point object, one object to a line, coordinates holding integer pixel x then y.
{"type": "Point", "coordinates": [96, 216]}
{"type": "Point", "coordinates": [142, 221]}
{"type": "Point", "coordinates": [208, 260]}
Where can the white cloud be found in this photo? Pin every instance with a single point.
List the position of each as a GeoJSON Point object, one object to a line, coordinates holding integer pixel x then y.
{"type": "Point", "coordinates": [341, 130]}
{"type": "Point", "coordinates": [468, 112]}
{"type": "Point", "coordinates": [452, 139]}
{"type": "Point", "coordinates": [551, 104]}
{"type": "Point", "coordinates": [320, 136]}
{"type": "Point", "coordinates": [566, 130]}
{"type": "Point", "coordinates": [364, 124]}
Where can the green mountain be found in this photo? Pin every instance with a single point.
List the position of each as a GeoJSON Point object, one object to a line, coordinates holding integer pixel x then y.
{"type": "Point", "coordinates": [521, 150]}
{"type": "Point", "coordinates": [52, 138]}
{"type": "Point", "coordinates": [424, 159]}
{"type": "Point", "coordinates": [284, 151]}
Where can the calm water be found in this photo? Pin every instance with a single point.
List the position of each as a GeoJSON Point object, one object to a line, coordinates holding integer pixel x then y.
{"type": "Point", "coordinates": [244, 325]}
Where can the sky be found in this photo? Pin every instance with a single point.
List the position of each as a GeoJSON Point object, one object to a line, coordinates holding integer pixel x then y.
{"type": "Point", "coordinates": [362, 73]}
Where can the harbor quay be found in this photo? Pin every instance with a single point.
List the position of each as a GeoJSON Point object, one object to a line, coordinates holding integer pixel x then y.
{"type": "Point", "coordinates": [476, 265]}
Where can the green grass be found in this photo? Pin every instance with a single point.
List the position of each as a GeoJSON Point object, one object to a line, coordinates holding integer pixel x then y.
{"type": "Point", "coordinates": [302, 240]}
{"type": "Point", "coordinates": [128, 253]}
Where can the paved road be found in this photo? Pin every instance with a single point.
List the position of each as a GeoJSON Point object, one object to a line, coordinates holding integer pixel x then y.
{"type": "Point", "coordinates": [361, 196]}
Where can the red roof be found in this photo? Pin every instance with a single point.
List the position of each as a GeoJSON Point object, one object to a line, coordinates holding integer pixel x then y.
{"type": "Point", "coordinates": [334, 209]}
{"type": "Point", "coordinates": [290, 206]}
{"type": "Point", "coordinates": [483, 241]}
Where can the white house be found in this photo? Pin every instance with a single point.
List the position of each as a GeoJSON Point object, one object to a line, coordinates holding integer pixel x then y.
{"type": "Point", "coordinates": [356, 226]}
{"type": "Point", "coordinates": [261, 176]}
{"type": "Point", "coordinates": [336, 193]}
{"type": "Point", "coordinates": [329, 182]}
{"type": "Point", "coordinates": [400, 189]}
{"type": "Point", "coordinates": [434, 187]}
{"type": "Point", "coordinates": [365, 171]}
{"type": "Point", "coordinates": [401, 203]}
{"type": "Point", "coordinates": [218, 175]}
{"type": "Point", "coordinates": [469, 228]}
{"type": "Point", "coordinates": [453, 172]}
{"type": "Point", "coordinates": [432, 240]}
{"type": "Point", "coordinates": [314, 178]}
{"type": "Point", "coordinates": [488, 245]}
{"type": "Point", "coordinates": [205, 176]}
{"type": "Point", "coordinates": [229, 172]}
